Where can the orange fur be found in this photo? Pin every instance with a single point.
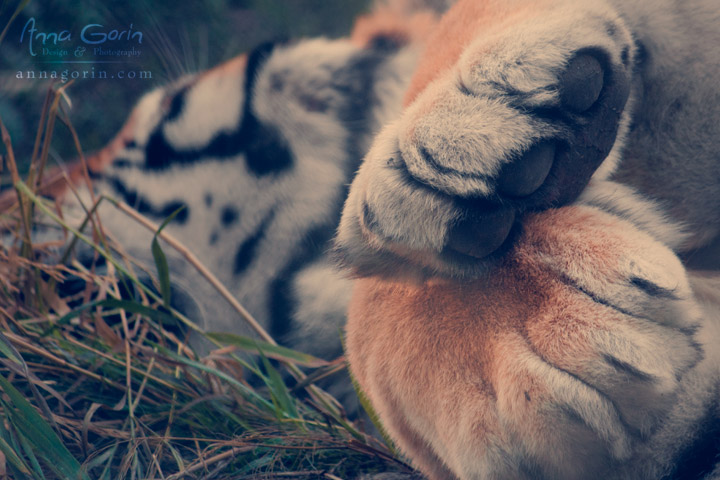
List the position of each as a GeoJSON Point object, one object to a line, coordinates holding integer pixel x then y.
{"type": "Point", "coordinates": [397, 22]}
{"type": "Point", "coordinates": [443, 362]}
{"type": "Point", "coordinates": [233, 67]}
{"type": "Point", "coordinates": [460, 25]}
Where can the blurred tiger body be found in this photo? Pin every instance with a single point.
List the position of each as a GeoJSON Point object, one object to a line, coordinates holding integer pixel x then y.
{"type": "Point", "coordinates": [255, 155]}
{"type": "Point", "coordinates": [258, 153]}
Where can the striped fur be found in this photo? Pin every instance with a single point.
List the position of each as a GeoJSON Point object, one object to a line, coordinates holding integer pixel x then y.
{"type": "Point", "coordinates": [259, 151]}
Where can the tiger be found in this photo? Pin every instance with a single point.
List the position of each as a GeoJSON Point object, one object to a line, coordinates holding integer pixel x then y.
{"type": "Point", "coordinates": [526, 238]}
{"type": "Point", "coordinates": [254, 158]}
{"type": "Point", "coordinates": [260, 152]}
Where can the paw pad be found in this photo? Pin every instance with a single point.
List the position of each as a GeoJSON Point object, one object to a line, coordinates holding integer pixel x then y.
{"type": "Point", "coordinates": [581, 83]}
{"type": "Point", "coordinates": [554, 171]}
{"type": "Point", "coordinates": [528, 172]}
{"type": "Point", "coordinates": [480, 234]}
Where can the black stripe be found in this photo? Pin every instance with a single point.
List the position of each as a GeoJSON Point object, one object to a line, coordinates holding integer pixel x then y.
{"type": "Point", "coordinates": [430, 160]}
{"type": "Point", "coordinates": [602, 301]}
{"type": "Point", "coordinates": [355, 80]}
{"type": "Point", "coordinates": [177, 104]}
{"type": "Point", "coordinates": [256, 60]}
{"type": "Point", "coordinates": [652, 289]}
{"type": "Point", "coordinates": [143, 205]}
{"type": "Point", "coordinates": [122, 162]}
{"type": "Point", "coordinates": [625, 367]}
{"type": "Point", "coordinates": [246, 253]}
{"type": "Point", "coordinates": [171, 207]}
{"type": "Point", "coordinates": [266, 151]}
{"type": "Point", "coordinates": [282, 297]}
{"type": "Point", "coordinates": [265, 148]}
{"type": "Point", "coordinates": [158, 153]}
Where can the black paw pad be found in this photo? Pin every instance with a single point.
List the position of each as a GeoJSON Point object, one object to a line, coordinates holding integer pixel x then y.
{"type": "Point", "coordinates": [552, 172]}
{"type": "Point", "coordinates": [524, 175]}
{"type": "Point", "coordinates": [481, 233]}
{"type": "Point", "coordinates": [581, 83]}
{"type": "Point", "coordinates": [595, 95]}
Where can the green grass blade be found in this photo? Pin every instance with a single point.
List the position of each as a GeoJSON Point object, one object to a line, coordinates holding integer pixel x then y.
{"type": "Point", "coordinates": [34, 463]}
{"type": "Point", "coordinates": [161, 261]}
{"type": "Point", "coordinates": [374, 418]}
{"type": "Point", "coordinates": [102, 458]}
{"type": "Point", "coordinates": [40, 435]}
{"type": "Point", "coordinates": [255, 465]}
{"type": "Point", "coordinates": [250, 394]}
{"type": "Point", "coordinates": [13, 459]}
{"type": "Point", "coordinates": [278, 389]}
{"type": "Point", "coordinates": [125, 273]}
{"type": "Point", "coordinates": [8, 351]}
{"type": "Point", "coordinates": [127, 305]}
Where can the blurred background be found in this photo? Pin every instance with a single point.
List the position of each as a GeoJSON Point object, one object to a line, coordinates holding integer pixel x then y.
{"type": "Point", "coordinates": [177, 38]}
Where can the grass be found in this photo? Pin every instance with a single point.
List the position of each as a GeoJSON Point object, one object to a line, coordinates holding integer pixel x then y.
{"type": "Point", "coordinates": [99, 381]}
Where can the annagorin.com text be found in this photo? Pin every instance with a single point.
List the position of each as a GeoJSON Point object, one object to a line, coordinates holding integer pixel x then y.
{"type": "Point", "coordinates": [67, 74]}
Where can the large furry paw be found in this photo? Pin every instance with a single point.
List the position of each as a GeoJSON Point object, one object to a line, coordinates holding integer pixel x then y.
{"type": "Point", "coordinates": [559, 366]}
{"type": "Point", "coordinates": [520, 120]}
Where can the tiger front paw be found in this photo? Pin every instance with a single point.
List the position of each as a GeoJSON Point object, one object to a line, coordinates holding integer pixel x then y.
{"type": "Point", "coordinates": [519, 121]}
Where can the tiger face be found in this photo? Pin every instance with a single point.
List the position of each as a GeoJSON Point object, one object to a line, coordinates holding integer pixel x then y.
{"type": "Point", "coordinates": [258, 151]}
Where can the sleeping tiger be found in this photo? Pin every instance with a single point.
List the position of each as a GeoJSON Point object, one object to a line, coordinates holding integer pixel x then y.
{"type": "Point", "coordinates": [521, 311]}
{"type": "Point", "coordinates": [259, 151]}
{"type": "Point", "coordinates": [445, 225]}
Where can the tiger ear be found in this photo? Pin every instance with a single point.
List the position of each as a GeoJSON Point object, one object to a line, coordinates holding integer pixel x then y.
{"type": "Point", "coordinates": [394, 24]}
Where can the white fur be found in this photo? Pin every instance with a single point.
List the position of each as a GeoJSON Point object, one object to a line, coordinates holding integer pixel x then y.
{"type": "Point", "coordinates": [296, 80]}
{"type": "Point", "coordinates": [212, 107]}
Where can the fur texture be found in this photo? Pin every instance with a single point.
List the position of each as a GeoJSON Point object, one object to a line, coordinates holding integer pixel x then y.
{"type": "Point", "coordinates": [495, 98]}
{"type": "Point", "coordinates": [497, 342]}
{"type": "Point", "coordinates": [584, 355]}
{"type": "Point", "coordinates": [579, 346]}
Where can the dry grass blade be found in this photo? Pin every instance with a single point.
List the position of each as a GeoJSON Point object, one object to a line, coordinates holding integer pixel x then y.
{"type": "Point", "coordinates": [24, 211]}
{"type": "Point", "coordinates": [322, 398]}
{"type": "Point", "coordinates": [17, 11]}
{"type": "Point", "coordinates": [113, 380]}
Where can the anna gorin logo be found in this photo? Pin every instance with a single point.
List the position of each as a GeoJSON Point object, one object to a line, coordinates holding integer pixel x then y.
{"type": "Point", "coordinates": [62, 43]}
{"type": "Point", "coordinates": [92, 44]}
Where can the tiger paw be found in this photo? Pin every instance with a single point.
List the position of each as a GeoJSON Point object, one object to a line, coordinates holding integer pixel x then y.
{"type": "Point", "coordinates": [513, 123]}
{"type": "Point", "coordinates": [564, 364]}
